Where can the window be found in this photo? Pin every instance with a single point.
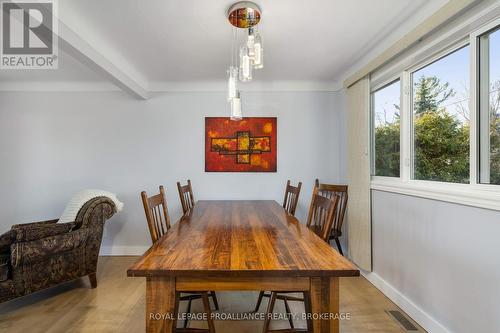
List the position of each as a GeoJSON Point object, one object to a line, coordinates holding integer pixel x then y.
{"type": "Point", "coordinates": [386, 124]}
{"type": "Point", "coordinates": [440, 96]}
{"type": "Point", "coordinates": [489, 107]}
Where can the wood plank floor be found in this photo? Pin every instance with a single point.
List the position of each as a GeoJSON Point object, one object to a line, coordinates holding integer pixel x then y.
{"type": "Point", "coordinates": [118, 305]}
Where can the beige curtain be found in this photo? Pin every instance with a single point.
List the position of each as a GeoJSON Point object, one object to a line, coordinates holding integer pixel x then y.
{"type": "Point", "coordinates": [358, 161]}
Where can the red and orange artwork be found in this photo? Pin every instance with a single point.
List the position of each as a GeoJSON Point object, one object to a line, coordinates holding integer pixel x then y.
{"type": "Point", "coordinates": [248, 145]}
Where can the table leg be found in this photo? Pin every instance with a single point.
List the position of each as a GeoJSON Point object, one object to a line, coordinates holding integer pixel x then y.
{"type": "Point", "coordinates": [160, 304]}
{"type": "Point", "coordinates": [325, 303]}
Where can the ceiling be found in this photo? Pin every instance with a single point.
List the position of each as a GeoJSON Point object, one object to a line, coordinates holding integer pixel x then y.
{"type": "Point", "coordinates": [186, 41]}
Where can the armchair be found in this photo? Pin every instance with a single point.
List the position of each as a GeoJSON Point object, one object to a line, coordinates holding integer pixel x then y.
{"type": "Point", "coordinates": [36, 256]}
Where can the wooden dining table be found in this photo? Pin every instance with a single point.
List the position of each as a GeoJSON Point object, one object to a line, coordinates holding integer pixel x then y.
{"type": "Point", "coordinates": [241, 245]}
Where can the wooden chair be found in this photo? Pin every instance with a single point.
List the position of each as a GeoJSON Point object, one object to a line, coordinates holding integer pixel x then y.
{"type": "Point", "coordinates": [186, 195]}
{"type": "Point", "coordinates": [340, 191]}
{"type": "Point", "coordinates": [291, 197]}
{"type": "Point", "coordinates": [155, 208]}
{"type": "Point", "coordinates": [320, 220]}
{"type": "Point", "coordinates": [156, 211]}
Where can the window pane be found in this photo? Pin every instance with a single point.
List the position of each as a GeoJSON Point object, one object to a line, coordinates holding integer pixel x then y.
{"type": "Point", "coordinates": [441, 119]}
{"type": "Point", "coordinates": [385, 104]}
{"type": "Point", "coordinates": [489, 104]}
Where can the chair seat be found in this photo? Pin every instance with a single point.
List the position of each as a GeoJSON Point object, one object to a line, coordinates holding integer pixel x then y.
{"type": "Point", "coordinates": [335, 234]}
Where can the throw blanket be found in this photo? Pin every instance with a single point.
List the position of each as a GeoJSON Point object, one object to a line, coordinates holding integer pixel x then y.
{"type": "Point", "coordinates": [79, 199]}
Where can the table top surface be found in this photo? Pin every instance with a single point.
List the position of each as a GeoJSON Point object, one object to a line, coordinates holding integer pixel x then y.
{"type": "Point", "coordinates": [241, 239]}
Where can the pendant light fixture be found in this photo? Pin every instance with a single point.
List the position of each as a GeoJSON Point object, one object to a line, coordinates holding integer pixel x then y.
{"type": "Point", "coordinates": [248, 56]}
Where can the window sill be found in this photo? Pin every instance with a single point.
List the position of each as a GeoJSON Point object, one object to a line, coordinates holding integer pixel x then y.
{"type": "Point", "coordinates": [482, 196]}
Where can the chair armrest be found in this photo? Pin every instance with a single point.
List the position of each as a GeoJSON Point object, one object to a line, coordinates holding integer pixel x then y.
{"type": "Point", "coordinates": [36, 250]}
{"type": "Point", "coordinates": [35, 232]}
{"type": "Point", "coordinates": [34, 224]}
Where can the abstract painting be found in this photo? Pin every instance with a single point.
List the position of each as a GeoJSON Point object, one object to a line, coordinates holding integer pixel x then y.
{"type": "Point", "coordinates": [248, 145]}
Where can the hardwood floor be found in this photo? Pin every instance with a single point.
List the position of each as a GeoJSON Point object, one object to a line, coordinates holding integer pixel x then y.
{"type": "Point", "coordinates": [118, 305]}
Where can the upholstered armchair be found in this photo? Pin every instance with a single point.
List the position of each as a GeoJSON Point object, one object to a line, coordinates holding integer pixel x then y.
{"type": "Point", "coordinates": [36, 256]}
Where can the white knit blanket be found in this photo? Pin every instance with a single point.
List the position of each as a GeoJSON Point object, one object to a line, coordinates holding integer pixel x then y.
{"type": "Point", "coordinates": [79, 199]}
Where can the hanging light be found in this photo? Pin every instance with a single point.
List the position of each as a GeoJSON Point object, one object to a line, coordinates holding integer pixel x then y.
{"type": "Point", "coordinates": [245, 15]}
{"type": "Point", "coordinates": [258, 58]}
{"type": "Point", "coordinates": [251, 43]}
{"type": "Point", "coordinates": [236, 108]}
{"type": "Point", "coordinates": [232, 83]}
{"type": "Point", "coordinates": [245, 64]}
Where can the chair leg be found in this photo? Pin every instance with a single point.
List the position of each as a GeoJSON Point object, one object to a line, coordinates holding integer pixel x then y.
{"type": "Point", "coordinates": [288, 313]}
{"type": "Point", "coordinates": [259, 300]}
{"type": "Point", "coordinates": [188, 311]}
{"type": "Point", "coordinates": [93, 280]}
{"type": "Point", "coordinates": [208, 312]}
{"type": "Point", "coordinates": [214, 299]}
{"type": "Point", "coordinates": [176, 309]}
{"type": "Point", "coordinates": [338, 245]}
{"type": "Point", "coordinates": [308, 310]}
{"type": "Point", "coordinates": [270, 308]}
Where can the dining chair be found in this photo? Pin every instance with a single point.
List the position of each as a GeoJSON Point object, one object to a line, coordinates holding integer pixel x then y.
{"type": "Point", "coordinates": [320, 220]}
{"type": "Point", "coordinates": [186, 195]}
{"type": "Point", "coordinates": [329, 191]}
{"type": "Point", "coordinates": [291, 197]}
{"type": "Point", "coordinates": [155, 208]}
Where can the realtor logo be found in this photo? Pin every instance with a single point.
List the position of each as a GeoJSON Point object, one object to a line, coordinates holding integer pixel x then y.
{"type": "Point", "coordinates": [29, 34]}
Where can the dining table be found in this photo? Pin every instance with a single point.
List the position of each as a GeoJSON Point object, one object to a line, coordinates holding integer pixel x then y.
{"type": "Point", "coordinates": [241, 245]}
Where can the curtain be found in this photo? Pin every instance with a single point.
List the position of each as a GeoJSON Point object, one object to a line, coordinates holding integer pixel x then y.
{"type": "Point", "coordinates": [358, 162]}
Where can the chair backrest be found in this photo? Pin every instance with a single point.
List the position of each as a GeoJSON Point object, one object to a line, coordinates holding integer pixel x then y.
{"type": "Point", "coordinates": [156, 211]}
{"type": "Point", "coordinates": [329, 191]}
{"type": "Point", "coordinates": [291, 197]}
{"type": "Point", "coordinates": [186, 195]}
{"type": "Point", "coordinates": [321, 214]}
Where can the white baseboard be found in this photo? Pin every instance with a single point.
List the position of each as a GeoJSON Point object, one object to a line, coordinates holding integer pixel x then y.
{"type": "Point", "coordinates": [123, 250]}
{"type": "Point", "coordinates": [425, 320]}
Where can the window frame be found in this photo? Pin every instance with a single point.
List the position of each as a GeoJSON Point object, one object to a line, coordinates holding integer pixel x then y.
{"type": "Point", "coordinates": [373, 89]}
{"type": "Point", "coordinates": [480, 147]}
{"type": "Point", "coordinates": [474, 193]}
{"type": "Point", "coordinates": [464, 42]}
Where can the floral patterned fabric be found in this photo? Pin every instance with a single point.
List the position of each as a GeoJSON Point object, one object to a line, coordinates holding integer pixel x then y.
{"type": "Point", "coordinates": [45, 254]}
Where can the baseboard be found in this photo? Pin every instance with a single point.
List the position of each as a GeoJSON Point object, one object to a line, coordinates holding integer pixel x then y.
{"type": "Point", "coordinates": [123, 250]}
{"type": "Point", "coordinates": [425, 320]}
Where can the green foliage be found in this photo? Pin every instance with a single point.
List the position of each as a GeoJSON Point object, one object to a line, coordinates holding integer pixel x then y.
{"type": "Point", "coordinates": [387, 149]}
{"type": "Point", "coordinates": [441, 141]}
{"type": "Point", "coordinates": [430, 93]}
{"type": "Point", "coordinates": [441, 148]}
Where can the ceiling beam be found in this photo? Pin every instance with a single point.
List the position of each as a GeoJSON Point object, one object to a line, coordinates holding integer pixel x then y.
{"type": "Point", "coordinates": [77, 47]}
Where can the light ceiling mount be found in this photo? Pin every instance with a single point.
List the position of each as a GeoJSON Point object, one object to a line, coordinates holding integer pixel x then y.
{"type": "Point", "coordinates": [244, 14]}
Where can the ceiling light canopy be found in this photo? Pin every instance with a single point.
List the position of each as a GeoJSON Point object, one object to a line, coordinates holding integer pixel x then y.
{"type": "Point", "coordinates": [244, 14]}
{"type": "Point", "coordinates": [247, 57]}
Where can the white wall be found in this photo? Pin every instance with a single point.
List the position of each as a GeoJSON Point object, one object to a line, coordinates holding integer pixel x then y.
{"type": "Point", "coordinates": [443, 258]}
{"type": "Point", "coordinates": [55, 144]}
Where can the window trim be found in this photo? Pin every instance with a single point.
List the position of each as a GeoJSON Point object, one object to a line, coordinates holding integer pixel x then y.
{"type": "Point", "coordinates": [473, 194]}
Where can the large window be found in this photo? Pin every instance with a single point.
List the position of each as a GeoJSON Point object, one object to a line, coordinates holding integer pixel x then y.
{"type": "Point", "coordinates": [441, 138]}
{"type": "Point", "coordinates": [440, 99]}
{"type": "Point", "coordinates": [386, 120]}
{"type": "Point", "coordinates": [489, 106]}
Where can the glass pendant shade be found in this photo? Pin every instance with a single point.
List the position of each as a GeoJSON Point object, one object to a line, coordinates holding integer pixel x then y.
{"type": "Point", "coordinates": [232, 83]}
{"type": "Point", "coordinates": [245, 65]}
{"type": "Point", "coordinates": [236, 108]}
{"type": "Point", "coordinates": [251, 44]}
{"type": "Point", "coordinates": [258, 59]}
